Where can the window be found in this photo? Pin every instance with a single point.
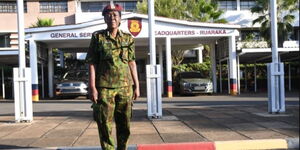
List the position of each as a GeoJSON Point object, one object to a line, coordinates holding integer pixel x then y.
{"type": "Point", "coordinates": [253, 35]}
{"type": "Point", "coordinates": [93, 6]}
{"type": "Point", "coordinates": [10, 6]}
{"type": "Point", "coordinates": [247, 4]}
{"type": "Point", "coordinates": [53, 6]}
{"type": "Point", "coordinates": [4, 40]}
{"type": "Point", "coordinates": [128, 6]}
{"type": "Point", "coordinates": [227, 4]}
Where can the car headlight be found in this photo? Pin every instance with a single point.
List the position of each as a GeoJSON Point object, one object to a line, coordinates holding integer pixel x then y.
{"type": "Point", "coordinates": [186, 85]}
{"type": "Point", "coordinates": [59, 85]}
{"type": "Point", "coordinates": [83, 85]}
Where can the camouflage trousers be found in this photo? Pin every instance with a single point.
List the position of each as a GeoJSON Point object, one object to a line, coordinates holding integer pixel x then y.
{"type": "Point", "coordinates": [113, 103]}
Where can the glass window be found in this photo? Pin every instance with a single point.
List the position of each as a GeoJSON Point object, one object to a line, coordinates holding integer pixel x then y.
{"type": "Point", "coordinates": [10, 6]}
{"type": "Point", "coordinates": [93, 6]}
{"type": "Point", "coordinates": [253, 35]}
{"type": "Point", "coordinates": [247, 4]}
{"type": "Point", "coordinates": [4, 40]}
{"type": "Point", "coordinates": [227, 4]}
{"type": "Point", "coordinates": [128, 6]}
{"type": "Point", "coordinates": [53, 6]}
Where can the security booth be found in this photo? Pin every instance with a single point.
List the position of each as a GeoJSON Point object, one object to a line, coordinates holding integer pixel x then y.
{"type": "Point", "coordinates": [170, 35]}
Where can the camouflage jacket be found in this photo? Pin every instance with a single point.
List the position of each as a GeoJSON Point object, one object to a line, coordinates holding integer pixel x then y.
{"type": "Point", "coordinates": [110, 57]}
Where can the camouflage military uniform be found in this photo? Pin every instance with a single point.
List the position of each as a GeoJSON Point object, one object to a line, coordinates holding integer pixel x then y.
{"type": "Point", "coordinates": [114, 84]}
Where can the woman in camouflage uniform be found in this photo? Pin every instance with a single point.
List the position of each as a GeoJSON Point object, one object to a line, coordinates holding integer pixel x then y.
{"type": "Point", "coordinates": [113, 80]}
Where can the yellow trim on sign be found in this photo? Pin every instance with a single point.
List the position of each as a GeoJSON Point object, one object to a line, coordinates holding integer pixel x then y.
{"type": "Point", "coordinates": [252, 145]}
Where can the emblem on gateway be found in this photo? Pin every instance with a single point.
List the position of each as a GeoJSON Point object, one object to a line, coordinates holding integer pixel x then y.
{"type": "Point", "coordinates": [135, 26]}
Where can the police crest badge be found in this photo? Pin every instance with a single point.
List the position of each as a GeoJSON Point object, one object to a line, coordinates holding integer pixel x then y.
{"type": "Point", "coordinates": [135, 26]}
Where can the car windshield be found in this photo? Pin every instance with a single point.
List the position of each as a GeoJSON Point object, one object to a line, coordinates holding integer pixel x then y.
{"type": "Point", "coordinates": [75, 75]}
{"type": "Point", "coordinates": [191, 75]}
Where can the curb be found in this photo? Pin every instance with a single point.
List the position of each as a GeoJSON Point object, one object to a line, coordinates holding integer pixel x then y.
{"type": "Point", "coordinates": [264, 144]}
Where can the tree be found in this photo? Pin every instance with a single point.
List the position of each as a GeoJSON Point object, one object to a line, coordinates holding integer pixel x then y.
{"type": "Point", "coordinates": [46, 22]}
{"type": "Point", "coordinates": [285, 8]}
{"type": "Point", "coordinates": [191, 10]}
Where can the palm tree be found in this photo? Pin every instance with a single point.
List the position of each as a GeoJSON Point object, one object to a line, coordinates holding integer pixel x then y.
{"type": "Point", "coordinates": [46, 22]}
{"type": "Point", "coordinates": [192, 10]}
{"type": "Point", "coordinates": [285, 9]}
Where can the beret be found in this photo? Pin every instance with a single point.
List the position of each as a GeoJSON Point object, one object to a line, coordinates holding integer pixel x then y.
{"type": "Point", "coordinates": [111, 7]}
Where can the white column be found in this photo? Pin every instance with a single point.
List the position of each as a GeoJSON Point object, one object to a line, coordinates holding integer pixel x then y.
{"type": "Point", "coordinates": [200, 54]}
{"type": "Point", "coordinates": [169, 67]}
{"type": "Point", "coordinates": [213, 67]}
{"type": "Point", "coordinates": [151, 31]}
{"type": "Point", "coordinates": [290, 81]}
{"type": "Point", "coordinates": [3, 84]}
{"type": "Point", "coordinates": [238, 5]}
{"type": "Point", "coordinates": [61, 59]}
{"type": "Point", "coordinates": [50, 72]}
{"type": "Point", "coordinates": [228, 76]}
{"type": "Point", "coordinates": [232, 64]}
{"type": "Point", "coordinates": [238, 74]}
{"type": "Point", "coordinates": [220, 63]}
{"type": "Point", "coordinates": [255, 81]}
{"type": "Point", "coordinates": [34, 70]}
{"type": "Point", "coordinates": [161, 63]}
{"type": "Point", "coordinates": [43, 80]}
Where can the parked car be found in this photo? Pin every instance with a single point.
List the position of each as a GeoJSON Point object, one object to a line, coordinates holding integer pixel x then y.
{"type": "Point", "coordinates": [73, 84]}
{"type": "Point", "coordinates": [192, 83]}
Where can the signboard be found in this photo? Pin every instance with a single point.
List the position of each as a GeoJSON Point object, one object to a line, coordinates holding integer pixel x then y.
{"type": "Point", "coordinates": [135, 26]}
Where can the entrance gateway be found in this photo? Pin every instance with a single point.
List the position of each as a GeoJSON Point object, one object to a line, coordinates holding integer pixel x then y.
{"type": "Point", "coordinates": [170, 35]}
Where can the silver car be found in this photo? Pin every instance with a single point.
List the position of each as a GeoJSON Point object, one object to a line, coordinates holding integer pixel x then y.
{"type": "Point", "coordinates": [74, 84]}
{"type": "Point", "coordinates": [193, 83]}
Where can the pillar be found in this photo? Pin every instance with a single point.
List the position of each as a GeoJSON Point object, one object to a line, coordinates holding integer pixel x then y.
{"type": "Point", "coordinates": [213, 67]}
{"type": "Point", "coordinates": [34, 70]}
{"type": "Point", "coordinates": [3, 84]}
{"type": "Point", "coordinates": [232, 64]}
{"type": "Point", "coordinates": [161, 58]}
{"type": "Point", "coordinates": [50, 72]}
{"type": "Point", "coordinates": [220, 64]}
{"type": "Point", "coordinates": [255, 78]}
{"type": "Point", "coordinates": [61, 59]}
{"type": "Point", "coordinates": [238, 74]}
{"type": "Point", "coordinates": [200, 54]}
{"type": "Point", "coordinates": [290, 81]}
{"type": "Point", "coordinates": [169, 67]}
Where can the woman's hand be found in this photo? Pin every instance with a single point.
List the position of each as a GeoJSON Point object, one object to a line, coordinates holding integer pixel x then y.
{"type": "Point", "coordinates": [136, 93]}
{"type": "Point", "coordinates": [94, 95]}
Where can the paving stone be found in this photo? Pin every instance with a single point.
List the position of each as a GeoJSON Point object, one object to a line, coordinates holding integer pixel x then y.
{"type": "Point", "coordinates": [56, 133]}
{"type": "Point", "coordinates": [88, 141]}
{"type": "Point", "coordinates": [145, 139]}
{"type": "Point", "coordinates": [222, 135]}
{"type": "Point", "coordinates": [54, 141]}
{"type": "Point", "coordinates": [245, 126]}
{"type": "Point", "coordinates": [266, 134]}
{"type": "Point", "coordinates": [292, 132]}
{"type": "Point", "coordinates": [176, 127]}
{"type": "Point", "coordinates": [16, 143]}
{"type": "Point", "coordinates": [33, 131]}
{"type": "Point", "coordinates": [181, 137]}
{"type": "Point", "coordinates": [275, 125]}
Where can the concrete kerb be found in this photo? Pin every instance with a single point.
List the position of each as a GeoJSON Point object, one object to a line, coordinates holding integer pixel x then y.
{"type": "Point", "coordinates": [264, 144]}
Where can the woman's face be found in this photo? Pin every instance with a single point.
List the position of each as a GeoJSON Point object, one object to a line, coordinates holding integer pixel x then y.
{"type": "Point", "coordinates": [112, 19]}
